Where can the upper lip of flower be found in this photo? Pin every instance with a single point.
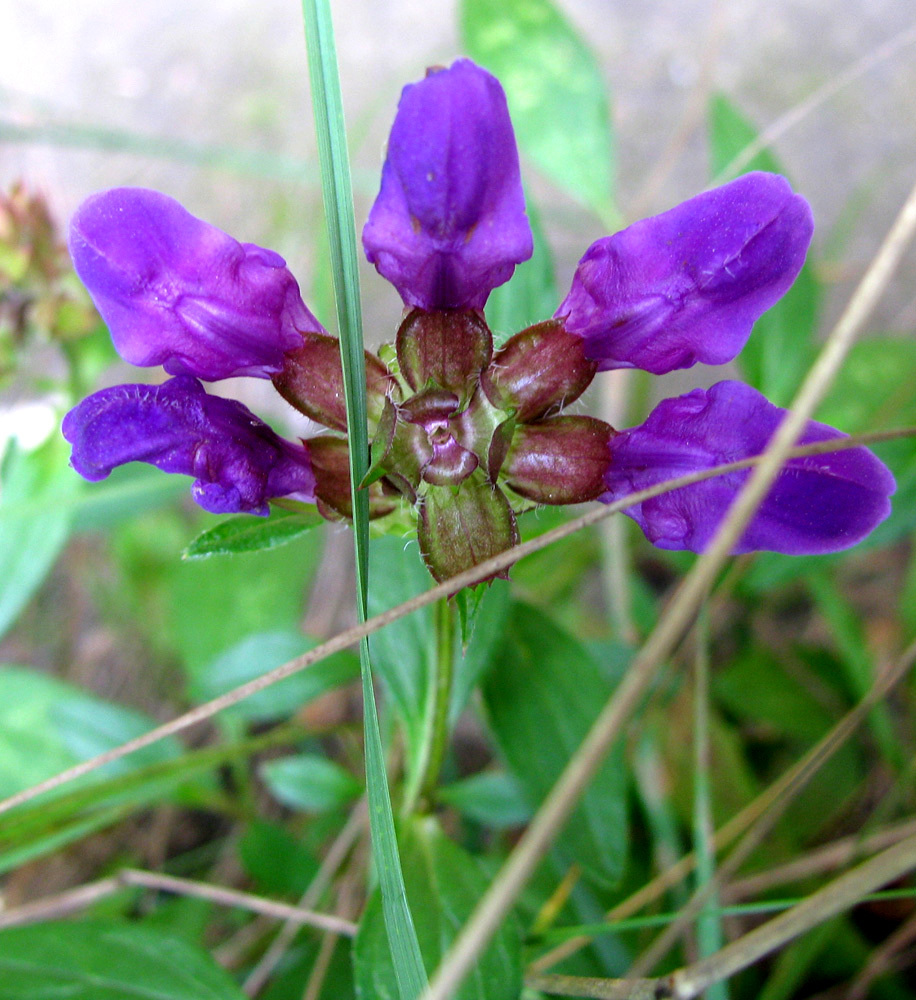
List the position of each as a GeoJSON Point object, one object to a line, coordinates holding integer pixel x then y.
{"type": "Point", "coordinates": [449, 223]}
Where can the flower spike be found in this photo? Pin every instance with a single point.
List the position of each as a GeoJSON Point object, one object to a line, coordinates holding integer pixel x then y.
{"type": "Point", "coordinates": [819, 503]}
{"type": "Point", "coordinates": [688, 285]}
{"type": "Point", "coordinates": [449, 222]}
{"type": "Point", "coordinates": [465, 437]}
{"type": "Point", "coordinates": [238, 462]}
{"type": "Point", "coordinates": [176, 291]}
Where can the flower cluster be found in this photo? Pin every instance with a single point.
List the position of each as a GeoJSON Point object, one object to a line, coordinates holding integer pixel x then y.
{"type": "Point", "coordinates": [465, 437]}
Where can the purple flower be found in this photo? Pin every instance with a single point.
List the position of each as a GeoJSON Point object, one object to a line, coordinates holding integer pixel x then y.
{"type": "Point", "coordinates": [687, 285]}
{"type": "Point", "coordinates": [820, 503]}
{"type": "Point", "coordinates": [449, 222]}
{"type": "Point", "coordinates": [466, 437]}
{"type": "Point", "coordinates": [237, 461]}
{"type": "Point", "coordinates": [178, 292]}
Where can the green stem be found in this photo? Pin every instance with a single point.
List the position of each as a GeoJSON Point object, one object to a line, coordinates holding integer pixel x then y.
{"type": "Point", "coordinates": [421, 781]}
{"type": "Point", "coordinates": [444, 666]}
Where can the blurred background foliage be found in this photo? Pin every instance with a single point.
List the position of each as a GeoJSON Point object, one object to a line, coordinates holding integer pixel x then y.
{"type": "Point", "coordinates": [621, 110]}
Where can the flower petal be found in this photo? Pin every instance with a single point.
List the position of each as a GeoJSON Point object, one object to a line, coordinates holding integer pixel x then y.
{"type": "Point", "coordinates": [238, 462]}
{"type": "Point", "coordinates": [449, 222]}
{"type": "Point", "coordinates": [688, 285]}
{"type": "Point", "coordinates": [820, 503]}
{"type": "Point", "coordinates": [179, 292]}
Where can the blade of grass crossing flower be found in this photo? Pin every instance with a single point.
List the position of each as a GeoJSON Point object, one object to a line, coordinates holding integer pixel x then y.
{"type": "Point", "coordinates": [709, 926]}
{"type": "Point", "coordinates": [338, 205]}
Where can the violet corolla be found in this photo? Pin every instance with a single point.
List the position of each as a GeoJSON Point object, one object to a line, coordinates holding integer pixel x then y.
{"type": "Point", "coordinates": [465, 437]}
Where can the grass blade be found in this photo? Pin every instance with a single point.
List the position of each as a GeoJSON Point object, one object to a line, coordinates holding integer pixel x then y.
{"type": "Point", "coordinates": [709, 927]}
{"type": "Point", "coordinates": [338, 205]}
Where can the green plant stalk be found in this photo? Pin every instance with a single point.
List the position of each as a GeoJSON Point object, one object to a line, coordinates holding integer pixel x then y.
{"type": "Point", "coordinates": [423, 772]}
{"type": "Point", "coordinates": [337, 195]}
{"type": "Point", "coordinates": [444, 665]}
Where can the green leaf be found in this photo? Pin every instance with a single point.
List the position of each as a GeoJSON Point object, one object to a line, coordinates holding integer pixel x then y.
{"type": "Point", "coordinates": [848, 633]}
{"type": "Point", "coordinates": [250, 534]}
{"type": "Point", "coordinates": [47, 726]}
{"type": "Point", "coordinates": [256, 655]}
{"type": "Point", "coordinates": [541, 703]}
{"type": "Point", "coordinates": [275, 859]}
{"type": "Point", "coordinates": [873, 388]}
{"type": "Point", "coordinates": [47, 824]}
{"type": "Point", "coordinates": [444, 884]}
{"type": "Point", "coordinates": [782, 707]}
{"type": "Point", "coordinates": [477, 656]}
{"type": "Point", "coordinates": [401, 651]}
{"type": "Point", "coordinates": [35, 515]}
{"type": "Point", "coordinates": [298, 965]}
{"type": "Point", "coordinates": [782, 345]}
{"type": "Point", "coordinates": [792, 966]}
{"type": "Point", "coordinates": [37, 846]}
{"type": "Point", "coordinates": [491, 797]}
{"type": "Point", "coordinates": [556, 93]}
{"type": "Point", "coordinates": [873, 391]}
{"type": "Point", "coordinates": [215, 603]}
{"type": "Point", "coordinates": [730, 132]}
{"type": "Point", "coordinates": [106, 961]}
{"type": "Point", "coordinates": [309, 782]}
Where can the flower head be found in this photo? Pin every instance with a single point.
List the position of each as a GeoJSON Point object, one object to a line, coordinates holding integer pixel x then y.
{"type": "Point", "coordinates": [464, 437]}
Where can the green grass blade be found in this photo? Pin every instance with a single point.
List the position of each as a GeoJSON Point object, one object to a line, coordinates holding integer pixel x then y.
{"type": "Point", "coordinates": [709, 928]}
{"type": "Point", "coordinates": [338, 205]}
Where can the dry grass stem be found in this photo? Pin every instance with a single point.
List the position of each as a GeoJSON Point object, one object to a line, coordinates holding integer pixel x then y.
{"type": "Point", "coordinates": [882, 959]}
{"type": "Point", "coordinates": [789, 787]}
{"type": "Point", "coordinates": [689, 982]}
{"type": "Point", "coordinates": [73, 900]}
{"type": "Point", "coordinates": [824, 859]}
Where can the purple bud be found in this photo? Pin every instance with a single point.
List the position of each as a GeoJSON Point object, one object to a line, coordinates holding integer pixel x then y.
{"type": "Point", "coordinates": [462, 527]}
{"type": "Point", "coordinates": [688, 285]}
{"type": "Point", "coordinates": [179, 292]}
{"type": "Point", "coordinates": [449, 222]}
{"type": "Point", "coordinates": [560, 460]}
{"type": "Point", "coordinates": [539, 370]}
{"type": "Point", "coordinates": [819, 503]}
{"type": "Point", "coordinates": [238, 462]}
